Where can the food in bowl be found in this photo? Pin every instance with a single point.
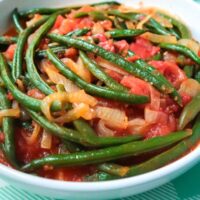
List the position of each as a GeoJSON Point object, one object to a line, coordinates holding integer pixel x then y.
{"type": "Point", "coordinates": [97, 92]}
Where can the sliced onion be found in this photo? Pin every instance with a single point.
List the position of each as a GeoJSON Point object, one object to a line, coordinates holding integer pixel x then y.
{"type": "Point", "coordinates": [46, 141]}
{"type": "Point", "coordinates": [20, 85]}
{"type": "Point", "coordinates": [35, 134]}
{"type": "Point", "coordinates": [78, 111]}
{"type": "Point", "coordinates": [190, 87]}
{"type": "Point", "coordinates": [97, 29]}
{"type": "Point", "coordinates": [13, 112]}
{"type": "Point", "coordinates": [145, 20]}
{"type": "Point", "coordinates": [57, 78]}
{"type": "Point", "coordinates": [155, 98]}
{"type": "Point", "coordinates": [112, 117]}
{"type": "Point", "coordinates": [130, 25]}
{"type": "Point", "coordinates": [104, 131]}
{"type": "Point", "coordinates": [78, 68]}
{"type": "Point", "coordinates": [46, 64]}
{"type": "Point", "coordinates": [108, 65]}
{"type": "Point", "coordinates": [191, 44]}
{"type": "Point", "coordinates": [153, 116]}
{"type": "Point", "coordinates": [163, 21]}
{"type": "Point", "coordinates": [159, 38]}
{"type": "Point", "coordinates": [75, 97]}
{"type": "Point", "coordinates": [137, 125]}
{"type": "Point", "coordinates": [36, 18]}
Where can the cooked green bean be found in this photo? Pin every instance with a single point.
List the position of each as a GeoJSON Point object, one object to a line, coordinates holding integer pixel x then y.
{"type": "Point", "coordinates": [114, 169]}
{"type": "Point", "coordinates": [22, 98]}
{"type": "Point", "coordinates": [147, 73]}
{"type": "Point", "coordinates": [95, 15]}
{"type": "Point", "coordinates": [181, 49]}
{"type": "Point", "coordinates": [107, 154]}
{"type": "Point", "coordinates": [100, 74]}
{"type": "Point", "coordinates": [124, 33]}
{"type": "Point", "coordinates": [79, 32]}
{"type": "Point", "coordinates": [16, 20]}
{"type": "Point", "coordinates": [189, 112]}
{"type": "Point", "coordinates": [8, 130]}
{"type": "Point", "coordinates": [56, 49]}
{"type": "Point", "coordinates": [79, 137]}
{"type": "Point", "coordinates": [93, 89]}
{"type": "Point", "coordinates": [153, 24]}
{"type": "Point", "coordinates": [184, 31]}
{"type": "Point", "coordinates": [188, 70]}
{"type": "Point", "coordinates": [31, 68]}
{"type": "Point", "coordinates": [18, 56]}
{"type": "Point", "coordinates": [8, 40]}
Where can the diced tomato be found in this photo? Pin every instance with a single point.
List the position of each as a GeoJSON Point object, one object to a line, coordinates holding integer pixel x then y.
{"type": "Point", "coordinates": [85, 22]}
{"type": "Point", "coordinates": [26, 152]}
{"type": "Point", "coordinates": [58, 22]}
{"type": "Point", "coordinates": [133, 58]}
{"type": "Point", "coordinates": [67, 25]}
{"type": "Point", "coordinates": [35, 93]}
{"type": "Point", "coordinates": [171, 71]}
{"type": "Point", "coordinates": [106, 24]}
{"type": "Point", "coordinates": [157, 130]}
{"type": "Point", "coordinates": [108, 45]}
{"type": "Point", "coordinates": [169, 106]}
{"type": "Point", "coordinates": [185, 98]}
{"type": "Point", "coordinates": [71, 53]}
{"type": "Point", "coordinates": [136, 85]}
{"type": "Point", "coordinates": [9, 54]}
{"type": "Point", "coordinates": [101, 37]}
{"type": "Point", "coordinates": [10, 96]}
{"type": "Point", "coordinates": [199, 53]}
{"type": "Point", "coordinates": [144, 48]}
{"type": "Point", "coordinates": [118, 77]}
{"type": "Point", "coordinates": [2, 137]}
{"type": "Point", "coordinates": [121, 47]}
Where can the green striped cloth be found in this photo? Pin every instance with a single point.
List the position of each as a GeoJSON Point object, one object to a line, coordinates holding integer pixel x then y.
{"type": "Point", "coordinates": [176, 190]}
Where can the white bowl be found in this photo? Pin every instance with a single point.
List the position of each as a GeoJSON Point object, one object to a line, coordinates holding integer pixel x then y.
{"type": "Point", "coordinates": [185, 9]}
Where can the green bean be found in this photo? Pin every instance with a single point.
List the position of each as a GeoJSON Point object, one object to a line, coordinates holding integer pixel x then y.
{"type": "Point", "coordinates": [118, 24]}
{"type": "Point", "coordinates": [107, 154]}
{"type": "Point", "coordinates": [16, 21]}
{"type": "Point", "coordinates": [62, 49]}
{"type": "Point", "coordinates": [56, 49]}
{"type": "Point", "coordinates": [157, 27]}
{"type": "Point", "coordinates": [40, 11]}
{"type": "Point", "coordinates": [189, 112]}
{"type": "Point", "coordinates": [132, 16]}
{"type": "Point", "coordinates": [139, 68]}
{"type": "Point", "coordinates": [85, 129]}
{"type": "Point", "coordinates": [53, 10]}
{"type": "Point", "coordinates": [18, 56]}
{"type": "Point", "coordinates": [181, 49]}
{"type": "Point", "coordinates": [8, 130]}
{"type": "Point", "coordinates": [197, 76]}
{"type": "Point", "coordinates": [100, 176]}
{"type": "Point", "coordinates": [100, 74]}
{"type": "Point", "coordinates": [95, 15]}
{"type": "Point", "coordinates": [8, 40]}
{"type": "Point", "coordinates": [22, 98]}
{"type": "Point", "coordinates": [188, 70]}
{"type": "Point", "coordinates": [114, 169]}
{"type": "Point", "coordinates": [184, 31]}
{"type": "Point", "coordinates": [79, 137]}
{"type": "Point", "coordinates": [111, 3]}
{"type": "Point", "coordinates": [124, 33]}
{"type": "Point", "coordinates": [93, 89]}
{"type": "Point", "coordinates": [78, 32]}
{"type": "Point", "coordinates": [31, 68]}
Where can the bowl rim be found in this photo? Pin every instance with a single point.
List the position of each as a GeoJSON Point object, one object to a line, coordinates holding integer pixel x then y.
{"type": "Point", "coordinates": [138, 180]}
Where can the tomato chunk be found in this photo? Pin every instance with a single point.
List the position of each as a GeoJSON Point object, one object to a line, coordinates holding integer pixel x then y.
{"type": "Point", "coordinates": [171, 71]}
{"type": "Point", "coordinates": [144, 48]}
